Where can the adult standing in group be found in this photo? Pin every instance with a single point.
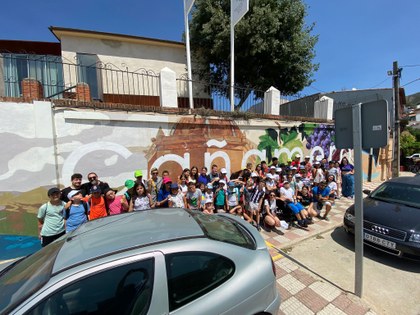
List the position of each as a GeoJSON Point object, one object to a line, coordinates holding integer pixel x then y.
{"type": "Point", "coordinates": [154, 184]}
{"type": "Point", "coordinates": [93, 180]}
{"type": "Point", "coordinates": [347, 178]}
{"type": "Point", "coordinates": [50, 218]}
{"type": "Point", "coordinates": [214, 176]}
{"type": "Point", "coordinates": [204, 178]}
{"type": "Point", "coordinates": [76, 184]}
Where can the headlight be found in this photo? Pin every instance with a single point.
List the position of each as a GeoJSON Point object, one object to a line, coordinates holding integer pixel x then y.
{"type": "Point", "coordinates": [415, 237]}
{"type": "Point", "coordinates": [349, 216]}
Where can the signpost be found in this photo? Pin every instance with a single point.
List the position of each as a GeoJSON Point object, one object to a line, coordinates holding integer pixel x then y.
{"type": "Point", "coordinates": [238, 8]}
{"type": "Point", "coordinates": [364, 125]}
{"type": "Point", "coordinates": [187, 8]}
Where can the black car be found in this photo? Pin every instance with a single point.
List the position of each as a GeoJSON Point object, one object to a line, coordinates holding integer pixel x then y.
{"type": "Point", "coordinates": [391, 221]}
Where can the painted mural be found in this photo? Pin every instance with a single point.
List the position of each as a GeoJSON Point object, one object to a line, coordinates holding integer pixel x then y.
{"type": "Point", "coordinates": [52, 143]}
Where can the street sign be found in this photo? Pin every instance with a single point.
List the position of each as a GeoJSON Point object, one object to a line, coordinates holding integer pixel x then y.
{"type": "Point", "coordinates": [374, 127]}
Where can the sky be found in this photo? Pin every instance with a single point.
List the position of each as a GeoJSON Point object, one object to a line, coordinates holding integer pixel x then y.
{"type": "Point", "coordinates": [358, 40]}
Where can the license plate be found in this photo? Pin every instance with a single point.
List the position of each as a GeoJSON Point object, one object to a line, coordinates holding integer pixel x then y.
{"type": "Point", "coordinates": [380, 241]}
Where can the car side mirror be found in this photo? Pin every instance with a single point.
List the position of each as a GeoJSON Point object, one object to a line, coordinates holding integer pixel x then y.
{"type": "Point", "coordinates": [367, 191]}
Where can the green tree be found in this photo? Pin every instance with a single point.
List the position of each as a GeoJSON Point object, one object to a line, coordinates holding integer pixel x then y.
{"type": "Point", "coordinates": [273, 45]}
{"type": "Point", "coordinates": [408, 143]}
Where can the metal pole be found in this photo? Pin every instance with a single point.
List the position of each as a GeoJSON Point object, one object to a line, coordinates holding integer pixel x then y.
{"type": "Point", "coordinates": [232, 66]}
{"type": "Point", "coordinates": [187, 40]}
{"type": "Point", "coordinates": [358, 199]}
{"type": "Point", "coordinates": [369, 179]}
{"type": "Point", "coordinates": [396, 133]}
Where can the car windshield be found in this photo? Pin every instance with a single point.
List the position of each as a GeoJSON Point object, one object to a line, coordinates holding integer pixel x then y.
{"type": "Point", "coordinates": [224, 230]}
{"type": "Point", "coordinates": [27, 276]}
{"type": "Point", "coordinates": [398, 193]}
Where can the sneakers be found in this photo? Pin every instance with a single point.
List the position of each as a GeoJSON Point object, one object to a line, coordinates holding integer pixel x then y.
{"type": "Point", "coordinates": [308, 221]}
{"type": "Point", "coordinates": [302, 223]}
{"type": "Point", "coordinates": [325, 218]}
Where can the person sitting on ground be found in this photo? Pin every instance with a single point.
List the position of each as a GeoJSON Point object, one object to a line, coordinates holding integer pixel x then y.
{"type": "Point", "coordinates": [271, 219]}
{"type": "Point", "coordinates": [96, 203]}
{"type": "Point", "coordinates": [193, 197]}
{"type": "Point", "coordinates": [76, 211]}
{"type": "Point", "coordinates": [321, 195]}
{"type": "Point", "coordinates": [50, 218]}
{"type": "Point", "coordinates": [332, 185]}
{"type": "Point", "coordinates": [288, 195]}
{"type": "Point", "coordinates": [305, 198]}
{"type": "Point", "coordinates": [115, 204]}
{"type": "Point", "coordinates": [141, 199]}
{"type": "Point", "coordinates": [176, 198]}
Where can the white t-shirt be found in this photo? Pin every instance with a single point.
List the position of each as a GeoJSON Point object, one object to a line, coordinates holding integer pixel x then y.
{"type": "Point", "coordinates": [177, 200]}
{"type": "Point", "coordinates": [183, 188]}
{"type": "Point", "coordinates": [333, 186]}
{"type": "Point", "coordinates": [272, 205]}
{"type": "Point", "coordinates": [288, 193]}
{"type": "Point", "coordinates": [319, 176]}
{"type": "Point", "coordinates": [233, 197]}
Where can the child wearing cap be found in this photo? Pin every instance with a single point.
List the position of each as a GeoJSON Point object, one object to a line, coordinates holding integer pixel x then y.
{"type": "Point", "coordinates": [96, 203]}
{"type": "Point", "coordinates": [164, 192]}
{"type": "Point", "coordinates": [76, 211]}
{"type": "Point", "coordinates": [176, 198]}
{"type": "Point", "coordinates": [220, 197]}
{"type": "Point", "coordinates": [233, 196]}
{"type": "Point", "coordinates": [208, 206]}
{"type": "Point", "coordinates": [50, 218]}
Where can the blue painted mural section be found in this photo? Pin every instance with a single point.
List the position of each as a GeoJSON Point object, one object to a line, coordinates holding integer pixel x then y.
{"type": "Point", "coordinates": [13, 246]}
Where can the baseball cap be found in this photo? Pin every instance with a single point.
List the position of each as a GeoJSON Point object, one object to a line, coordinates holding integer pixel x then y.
{"type": "Point", "coordinates": [166, 180]}
{"type": "Point", "coordinates": [302, 167]}
{"type": "Point", "coordinates": [222, 182]}
{"type": "Point", "coordinates": [174, 186]}
{"type": "Point", "coordinates": [106, 190]}
{"type": "Point", "coordinates": [298, 176]}
{"type": "Point", "coordinates": [209, 186]}
{"type": "Point", "coordinates": [285, 182]}
{"type": "Point", "coordinates": [317, 163]}
{"type": "Point", "coordinates": [138, 173]}
{"type": "Point", "coordinates": [278, 169]}
{"type": "Point", "coordinates": [223, 171]}
{"type": "Point", "coordinates": [72, 193]}
{"type": "Point", "coordinates": [95, 189]}
{"type": "Point", "coordinates": [53, 190]}
{"type": "Point", "coordinates": [297, 156]}
{"type": "Point", "coordinates": [269, 176]}
{"type": "Point", "coordinates": [272, 167]}
{"type": "Point", "coordinates": [129, 183]}
{"type": "Point", "coordinates": [307, 157]}
{"type": "Point", "coordinates": [293, 168]}
{"type": "Point", "coordinates": [209, 200]}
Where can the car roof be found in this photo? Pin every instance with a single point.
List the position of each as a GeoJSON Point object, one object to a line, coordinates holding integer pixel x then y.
{"type": "Point", "coordinates": [116, 233]}
{"type": "Point", "coordinates": [411, 180]}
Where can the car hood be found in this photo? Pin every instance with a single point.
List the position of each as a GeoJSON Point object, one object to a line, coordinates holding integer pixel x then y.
{"type": "Point", "coordinates": [390, 214]}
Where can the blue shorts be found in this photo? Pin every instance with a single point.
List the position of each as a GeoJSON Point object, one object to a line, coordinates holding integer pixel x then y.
{"type": "Point", "coordinates": [295, 207]}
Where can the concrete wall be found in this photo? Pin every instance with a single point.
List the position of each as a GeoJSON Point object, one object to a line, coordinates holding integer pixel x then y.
{"type": "Point", "coordinates": [44, 145]}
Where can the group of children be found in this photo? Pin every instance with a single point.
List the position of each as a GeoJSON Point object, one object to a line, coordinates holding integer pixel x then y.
{"type": "Point", "coordinates": [263, 195]}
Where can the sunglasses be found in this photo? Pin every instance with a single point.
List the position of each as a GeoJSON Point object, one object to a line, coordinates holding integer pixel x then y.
{"type": "Point", "coordinates": [92, 178]}
{"type": "Point", "coordinates": [272, 195]}
{"type": "Point", "coordinates": [155, 173]}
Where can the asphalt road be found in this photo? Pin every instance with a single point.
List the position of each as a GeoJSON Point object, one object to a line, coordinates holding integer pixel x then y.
{"type": "Point", "coordinates": [390, 285]}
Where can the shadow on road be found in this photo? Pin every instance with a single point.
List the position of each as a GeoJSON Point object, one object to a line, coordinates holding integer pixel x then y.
{"type": "Point", "coordinates": [340, 236]}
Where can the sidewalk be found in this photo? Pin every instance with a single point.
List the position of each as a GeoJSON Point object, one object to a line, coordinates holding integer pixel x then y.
{"type": "Point", "coordinates": [303, 292]}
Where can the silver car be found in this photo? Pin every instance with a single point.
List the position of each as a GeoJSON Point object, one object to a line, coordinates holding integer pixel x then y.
{"type": "Point", "coordinates": [164, 261]}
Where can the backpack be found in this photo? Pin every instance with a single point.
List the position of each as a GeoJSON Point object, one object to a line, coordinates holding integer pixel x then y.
{"type": "Point", "coordinates": [84, 206]}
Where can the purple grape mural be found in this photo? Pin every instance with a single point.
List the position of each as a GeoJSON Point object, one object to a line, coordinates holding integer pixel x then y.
{"type": "Point", "coordinates": [319, 135]}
